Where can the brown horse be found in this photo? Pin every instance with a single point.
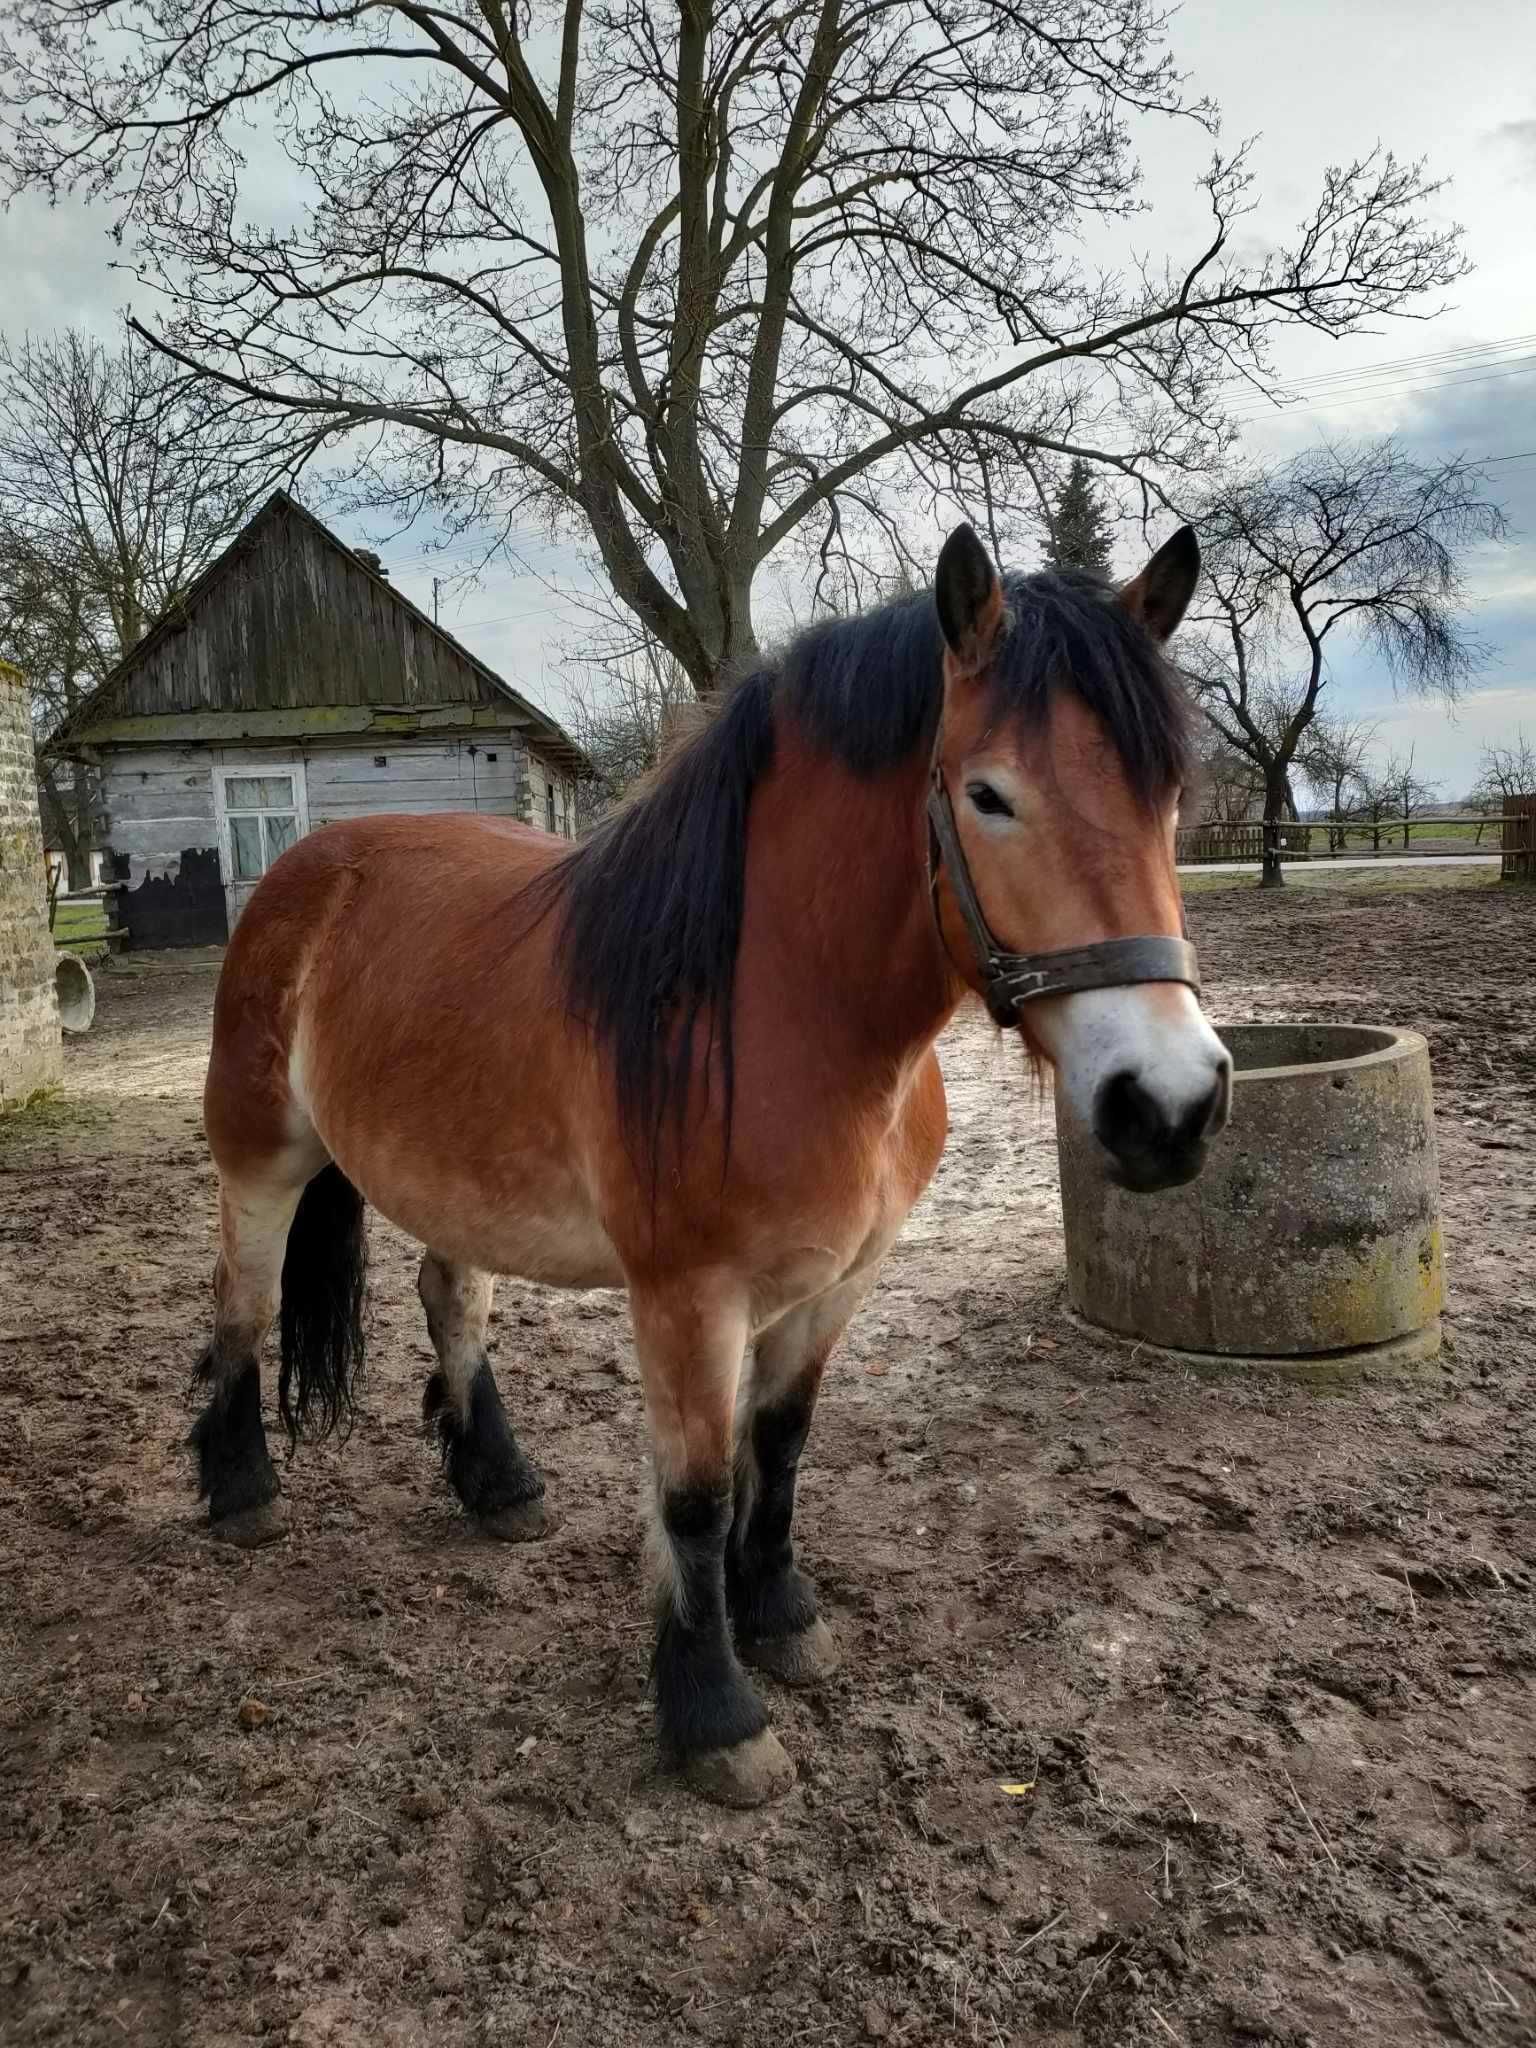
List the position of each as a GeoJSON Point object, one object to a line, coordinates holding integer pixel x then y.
{"type": "Point", "coordinates": [694, 1058]}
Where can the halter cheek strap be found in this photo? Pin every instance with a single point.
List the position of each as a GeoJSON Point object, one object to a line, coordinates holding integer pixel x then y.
{"type": "Point", "coordinates": [1012, 979]}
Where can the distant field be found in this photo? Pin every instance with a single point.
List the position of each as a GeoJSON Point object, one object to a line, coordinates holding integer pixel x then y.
{"type": "Point", "coordinates": [1429, 835]}
{"type": "Point", "coordinates": [1431, 832]}
{"type": "Point", "coordinates": [1373, 881]}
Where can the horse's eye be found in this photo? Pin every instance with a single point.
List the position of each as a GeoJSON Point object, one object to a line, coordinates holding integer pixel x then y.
{"type": "Point", "coordinates": [987, 801]}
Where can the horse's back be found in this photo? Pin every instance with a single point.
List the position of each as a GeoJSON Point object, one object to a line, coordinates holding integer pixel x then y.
{"type": "Point", "coordinates": [361, 966]}
{"type": "Point", "coordinates": [446, 855]}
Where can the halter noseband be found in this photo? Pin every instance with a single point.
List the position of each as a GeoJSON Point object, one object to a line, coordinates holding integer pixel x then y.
{"type": "Point", "coordinates": [1013, 979]}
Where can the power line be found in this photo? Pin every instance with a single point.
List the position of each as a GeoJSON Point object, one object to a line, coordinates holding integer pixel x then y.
{"type": "Point", "coordinates": [1385, 391]}
{"type": "Point", "coordinates": [528, 545]}
{"type": "Point", "coordinates": [506, 619]}
{"type": "Point", "coordinates": [1490, 350]}
{"type": "Point", "coordinates": [1498, 366]}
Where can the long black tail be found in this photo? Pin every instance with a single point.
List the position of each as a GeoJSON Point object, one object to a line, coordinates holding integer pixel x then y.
{"type": "Point", "coordinates": [324, 1270]}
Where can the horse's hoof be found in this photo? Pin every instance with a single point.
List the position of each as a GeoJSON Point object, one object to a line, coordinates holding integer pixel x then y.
{"type": "Point", "coordinates": [805, 1658]}
{"type": "Point", "coordinates": [252, 1527]}
{"type": "Point", "coordinates": [524, 1523]}
{"type": "Point", "coordinates": [750, 1774]}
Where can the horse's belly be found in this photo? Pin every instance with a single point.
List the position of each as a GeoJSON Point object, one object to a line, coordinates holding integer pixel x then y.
{"type": "Point", "coordinates": [543, 1227]}
{"type": "Point", "coordinates": [558, 1248]}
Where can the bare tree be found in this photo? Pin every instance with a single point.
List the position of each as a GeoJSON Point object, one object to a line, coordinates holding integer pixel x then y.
{"type": "Point", "coordinates": [50, 627]}
{"type": "Point", "coordinates": [628, 697]}
{"type": "Point", "coordinates": [1410, 791]}
{"type": "Point", "coordinates": [1226, 788]}
{"type": "Point", "coordinates": [692, 281]}
{"type": "Point", "coordinates": [114, 495]}
{"type": "Point", "coordinates": [1344, 542]}
{"type": "Point", "coordinates": [1502, 773]}
{"type": "Point", "coordinates": [102, 466]}
{"type": "Point", "coordinates": [1335, 756]}
{"type": "Point", "coordinates": [1392, 793]}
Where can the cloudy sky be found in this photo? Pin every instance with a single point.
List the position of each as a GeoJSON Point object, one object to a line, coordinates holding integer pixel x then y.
{"type": "Point", "coordinates": [1318, 81]}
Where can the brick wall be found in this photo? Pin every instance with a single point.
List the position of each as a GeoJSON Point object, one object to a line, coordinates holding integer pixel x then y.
{"type": "Point", "coordinates": [30, 1052]}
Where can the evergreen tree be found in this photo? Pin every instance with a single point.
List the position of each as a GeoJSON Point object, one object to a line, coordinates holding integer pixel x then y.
{"type": "Point", "coordinates": [1080, 525]}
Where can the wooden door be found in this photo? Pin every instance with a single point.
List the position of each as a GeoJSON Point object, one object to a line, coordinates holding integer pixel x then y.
{"type": "Point", "coordinates": [261, 811]}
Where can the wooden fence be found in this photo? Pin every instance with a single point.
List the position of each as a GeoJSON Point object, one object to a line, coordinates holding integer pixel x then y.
{"type": "Point", "coordinates": [1240, 842]}
{"type": "Point", "coordinates": [1519, 847]}
{"type": "Point", "coordinates": [1512, 834]}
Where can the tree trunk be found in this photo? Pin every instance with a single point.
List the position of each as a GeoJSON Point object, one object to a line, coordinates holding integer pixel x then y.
{"type": "Point", "coordinates": [59, 824]}
{"type": "Point", "coordinates": [1276, 791]}
{"type": "Point", "coordinates": [80, 876]}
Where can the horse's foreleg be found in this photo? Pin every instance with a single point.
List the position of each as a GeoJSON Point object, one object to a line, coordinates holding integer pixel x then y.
{"type": "Point", "coordinates": [235, 1469]}
{"type": "Point", "coordinates": [772, 1603]}
{"type": "Point", "coordinates": [500, 1488]}
{"type": "Point", "coordinates": [691, 1337]}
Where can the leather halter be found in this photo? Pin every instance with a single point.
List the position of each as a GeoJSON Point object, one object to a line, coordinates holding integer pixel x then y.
{"type": "Point", "coordinates": [1012, 979]}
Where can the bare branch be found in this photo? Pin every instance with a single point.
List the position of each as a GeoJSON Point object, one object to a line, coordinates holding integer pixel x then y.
{"type": "Point", "coordinates": [694, 281]}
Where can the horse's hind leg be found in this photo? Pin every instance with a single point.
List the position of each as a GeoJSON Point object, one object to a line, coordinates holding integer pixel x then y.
{"type": "Point", "coordinates": [500, 1488]}
{"type": "Point", "coordinates": [772, 1603]}
{"type": "Point", "coordinates": [235, 1470]}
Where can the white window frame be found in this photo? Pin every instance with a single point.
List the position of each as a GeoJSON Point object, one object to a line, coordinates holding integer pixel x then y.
{"type": "Point", "coordinates": [236, 771]}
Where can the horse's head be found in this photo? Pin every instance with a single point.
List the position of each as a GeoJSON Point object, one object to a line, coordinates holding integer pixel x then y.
{"type": "Point", "coordinates": [1058, 771]}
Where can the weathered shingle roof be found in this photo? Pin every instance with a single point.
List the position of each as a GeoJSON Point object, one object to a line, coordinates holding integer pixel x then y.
{"type": "Point", "coordinates": [112, 697]}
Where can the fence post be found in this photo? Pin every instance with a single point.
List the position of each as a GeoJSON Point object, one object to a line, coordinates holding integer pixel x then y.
{"type": "Point", "coordinates": [1518, 835]}
{"type": "Point", "coordinates": [1271, 874]}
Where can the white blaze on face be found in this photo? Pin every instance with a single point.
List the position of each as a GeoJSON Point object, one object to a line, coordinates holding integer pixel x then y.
{"type": "Point", "coordinates": [1156, 1032]}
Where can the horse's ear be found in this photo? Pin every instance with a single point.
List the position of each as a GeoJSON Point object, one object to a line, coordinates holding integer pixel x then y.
{"type": "Point", "coordinates": [1159, 596]}
{"type": "Point", "coordinates": [969, 597]}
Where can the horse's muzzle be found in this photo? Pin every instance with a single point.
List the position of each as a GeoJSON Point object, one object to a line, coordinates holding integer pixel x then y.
{"type": "Point", "coordinates": [1151, 1145]}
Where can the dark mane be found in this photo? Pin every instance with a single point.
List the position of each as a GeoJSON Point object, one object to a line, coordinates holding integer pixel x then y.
{"type": "Point", "coordinates": [650, 907]}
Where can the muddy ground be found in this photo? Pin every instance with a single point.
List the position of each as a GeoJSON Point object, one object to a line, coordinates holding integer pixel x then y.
{"type": "Point", "coordinates": [1265, 1661]}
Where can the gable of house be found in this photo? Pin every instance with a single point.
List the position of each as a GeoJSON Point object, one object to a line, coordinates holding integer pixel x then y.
{"type": "Point", "coordinates": [290, 634]}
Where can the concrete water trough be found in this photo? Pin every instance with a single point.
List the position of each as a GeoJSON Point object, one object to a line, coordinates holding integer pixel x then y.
{"type": "Point", "coordinates": [1311, 1243]}
{"type": "Point", "coordinates": [75, 990]}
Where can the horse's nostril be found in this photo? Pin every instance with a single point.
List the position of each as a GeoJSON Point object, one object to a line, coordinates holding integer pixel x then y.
{"type": "Point", "coordinates": [1221, 1100]}
{"type": "Point", "coordinates": [1126, 1114]}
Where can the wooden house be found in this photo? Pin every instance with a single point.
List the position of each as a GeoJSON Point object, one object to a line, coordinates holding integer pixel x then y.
{"type": "Point", "coordinates": [293, 686]}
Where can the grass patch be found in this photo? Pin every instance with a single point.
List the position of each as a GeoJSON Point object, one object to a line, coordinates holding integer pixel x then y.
{"type": "Point", "coordinates": [1356, 881]}
{"type": "Point", "coordinates": [80, 921]}
{"type": "Point", "coordinates": [81, 929]}
{"type": "Point", "coordinates": [48, 1113]}
{"type": "Point", "coordinates": [1422, 833]}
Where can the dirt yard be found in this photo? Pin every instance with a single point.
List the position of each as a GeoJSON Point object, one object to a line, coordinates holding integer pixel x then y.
{"type": "Point", "coordinates": [1171, 1711]}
